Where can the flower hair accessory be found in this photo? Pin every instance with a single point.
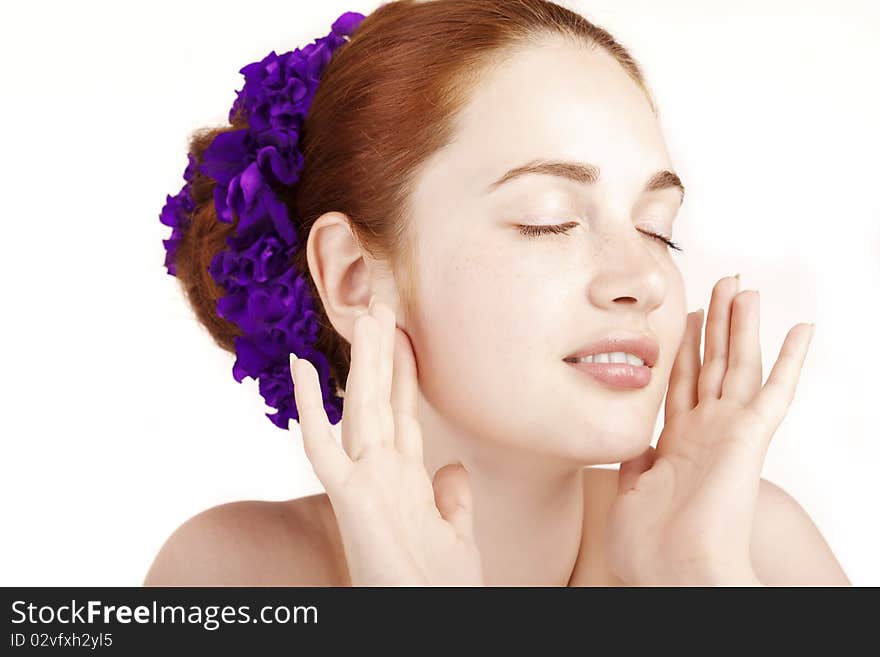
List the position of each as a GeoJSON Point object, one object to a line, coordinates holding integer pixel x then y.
{"type": "Point", "coordinates": [265, 297]}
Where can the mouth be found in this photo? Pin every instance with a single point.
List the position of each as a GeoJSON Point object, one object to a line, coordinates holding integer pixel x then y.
{"type": "Point", "coordinates": [632, 349]}
{"type": "Point", "coordinates": [620, 361]}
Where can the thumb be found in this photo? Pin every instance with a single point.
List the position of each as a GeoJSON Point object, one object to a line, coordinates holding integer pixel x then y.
{"type": "Point", "coordinates": [452, 494]}
{"type": "Point", "coordinates": [632, 469]}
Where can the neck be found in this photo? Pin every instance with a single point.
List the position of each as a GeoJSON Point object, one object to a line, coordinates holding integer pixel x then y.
{"type": "Point", "coordinates": [528, 507]}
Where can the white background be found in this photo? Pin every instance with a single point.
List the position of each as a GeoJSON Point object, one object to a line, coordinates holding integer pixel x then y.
{"type": "Point", "coordinates": [120, 416]}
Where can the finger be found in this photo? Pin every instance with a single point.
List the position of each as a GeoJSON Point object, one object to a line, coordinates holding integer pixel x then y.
{"type": "Point", "coordinates": [717, 338]}
{"type": "Point", "coordinates": [631, 470]}
{"type": "Point", "coordinates": [386, 321]}
{"type": "Point", "coordinates": [682, 393]}
{"type": "Point", "coordinates": [454, 500]}
{"type": "Point", "coordinates": [328, 459]}
{"type": "Point", "coordinates": [744, 371]}
{"type": "Point", "coordinates": [360, 418]}
{"type": "Point", "coordinates": [405, 398]}
{"type": "Point", "coordinates": [773, 401]}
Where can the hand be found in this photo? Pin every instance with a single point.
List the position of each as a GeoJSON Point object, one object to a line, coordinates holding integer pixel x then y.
{"type": "Point", "coordinates": [397, 527]}
{"type": "Point", "coordinates": [683, 512]}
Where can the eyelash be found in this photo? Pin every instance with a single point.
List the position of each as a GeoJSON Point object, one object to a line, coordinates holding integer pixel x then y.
{"type": "Point", "coordinates": [561, 229]}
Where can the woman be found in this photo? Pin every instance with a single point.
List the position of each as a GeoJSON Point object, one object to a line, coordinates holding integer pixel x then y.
{"type": "Point", "coordinates": [485, 200]}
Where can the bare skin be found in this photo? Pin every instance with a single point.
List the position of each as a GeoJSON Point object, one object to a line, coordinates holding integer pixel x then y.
{"type": "Point", "coordinates": [297, 543]}
{"type": "Point", "coordinates": [496, 312]}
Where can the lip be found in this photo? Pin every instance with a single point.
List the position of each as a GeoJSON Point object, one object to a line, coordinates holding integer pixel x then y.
{"type": "Point", "coordinates": [616, 375]}
{"type": "Point", "coordinates": [641, 345]}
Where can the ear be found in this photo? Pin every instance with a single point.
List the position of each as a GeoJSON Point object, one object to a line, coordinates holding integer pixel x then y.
{"type": "Point", "coordinates": [343, 273]}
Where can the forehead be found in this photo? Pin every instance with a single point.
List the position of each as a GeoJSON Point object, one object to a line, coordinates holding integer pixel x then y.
{"type": "Point", "coordinates": [557, 100]}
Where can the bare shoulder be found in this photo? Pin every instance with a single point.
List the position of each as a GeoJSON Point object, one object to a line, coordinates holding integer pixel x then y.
{"type": "Point", "coordinates": [253, 543]}
{"type": "Point", "coordinates": [787, 548]}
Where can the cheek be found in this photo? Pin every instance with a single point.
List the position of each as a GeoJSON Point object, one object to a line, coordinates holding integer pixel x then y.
{"type": "Point", "coordinates": [670, 324]}
{"type": "Point", "coordinates": [481, 327]}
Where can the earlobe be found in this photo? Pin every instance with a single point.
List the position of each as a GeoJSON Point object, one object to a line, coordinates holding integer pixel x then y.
{"type": "Point", "coordinates": [339, 268]}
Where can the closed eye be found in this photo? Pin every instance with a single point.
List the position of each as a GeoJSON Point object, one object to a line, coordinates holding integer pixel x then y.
{"type": "Point", "coordinates": [534, 231]}
{"type": "Point", "coordinates": [562, 229]}
{"type": "Point", "coordinates": [668, 242]}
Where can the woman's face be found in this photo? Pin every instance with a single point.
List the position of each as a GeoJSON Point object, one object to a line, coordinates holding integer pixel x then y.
{"type": "Point", "coordinates": [496, 311]}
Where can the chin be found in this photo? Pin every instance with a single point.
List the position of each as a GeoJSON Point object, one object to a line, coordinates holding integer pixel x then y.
{"type": "Point", "coordinates": [608, 442]}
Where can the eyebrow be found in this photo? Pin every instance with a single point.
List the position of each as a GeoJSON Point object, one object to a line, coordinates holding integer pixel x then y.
{"type": "Point", "coordinates": [586, 173]}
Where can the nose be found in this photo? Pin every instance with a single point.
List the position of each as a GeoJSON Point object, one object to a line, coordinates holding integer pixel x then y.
{"type": "Point", "coordinates": [628, 271]}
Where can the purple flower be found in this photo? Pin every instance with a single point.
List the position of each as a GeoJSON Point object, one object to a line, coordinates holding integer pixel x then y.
{"type": "Point", "coordinates": [279, 158]}
{"type": "Point", "coordinates": [228, 155]}
{"type": "Point", "coordinates": [176, 213]}
{"type": "Point", "coordinates": [264, 295]}
{"type": "Point", "coordinates": [255, 204]}
{"type": "Point", "coordinates": [273, 96]}
{"type": "Point", "coordinates": [347, 23]}
{"type": "Point", "coordinates": [266, 257]}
